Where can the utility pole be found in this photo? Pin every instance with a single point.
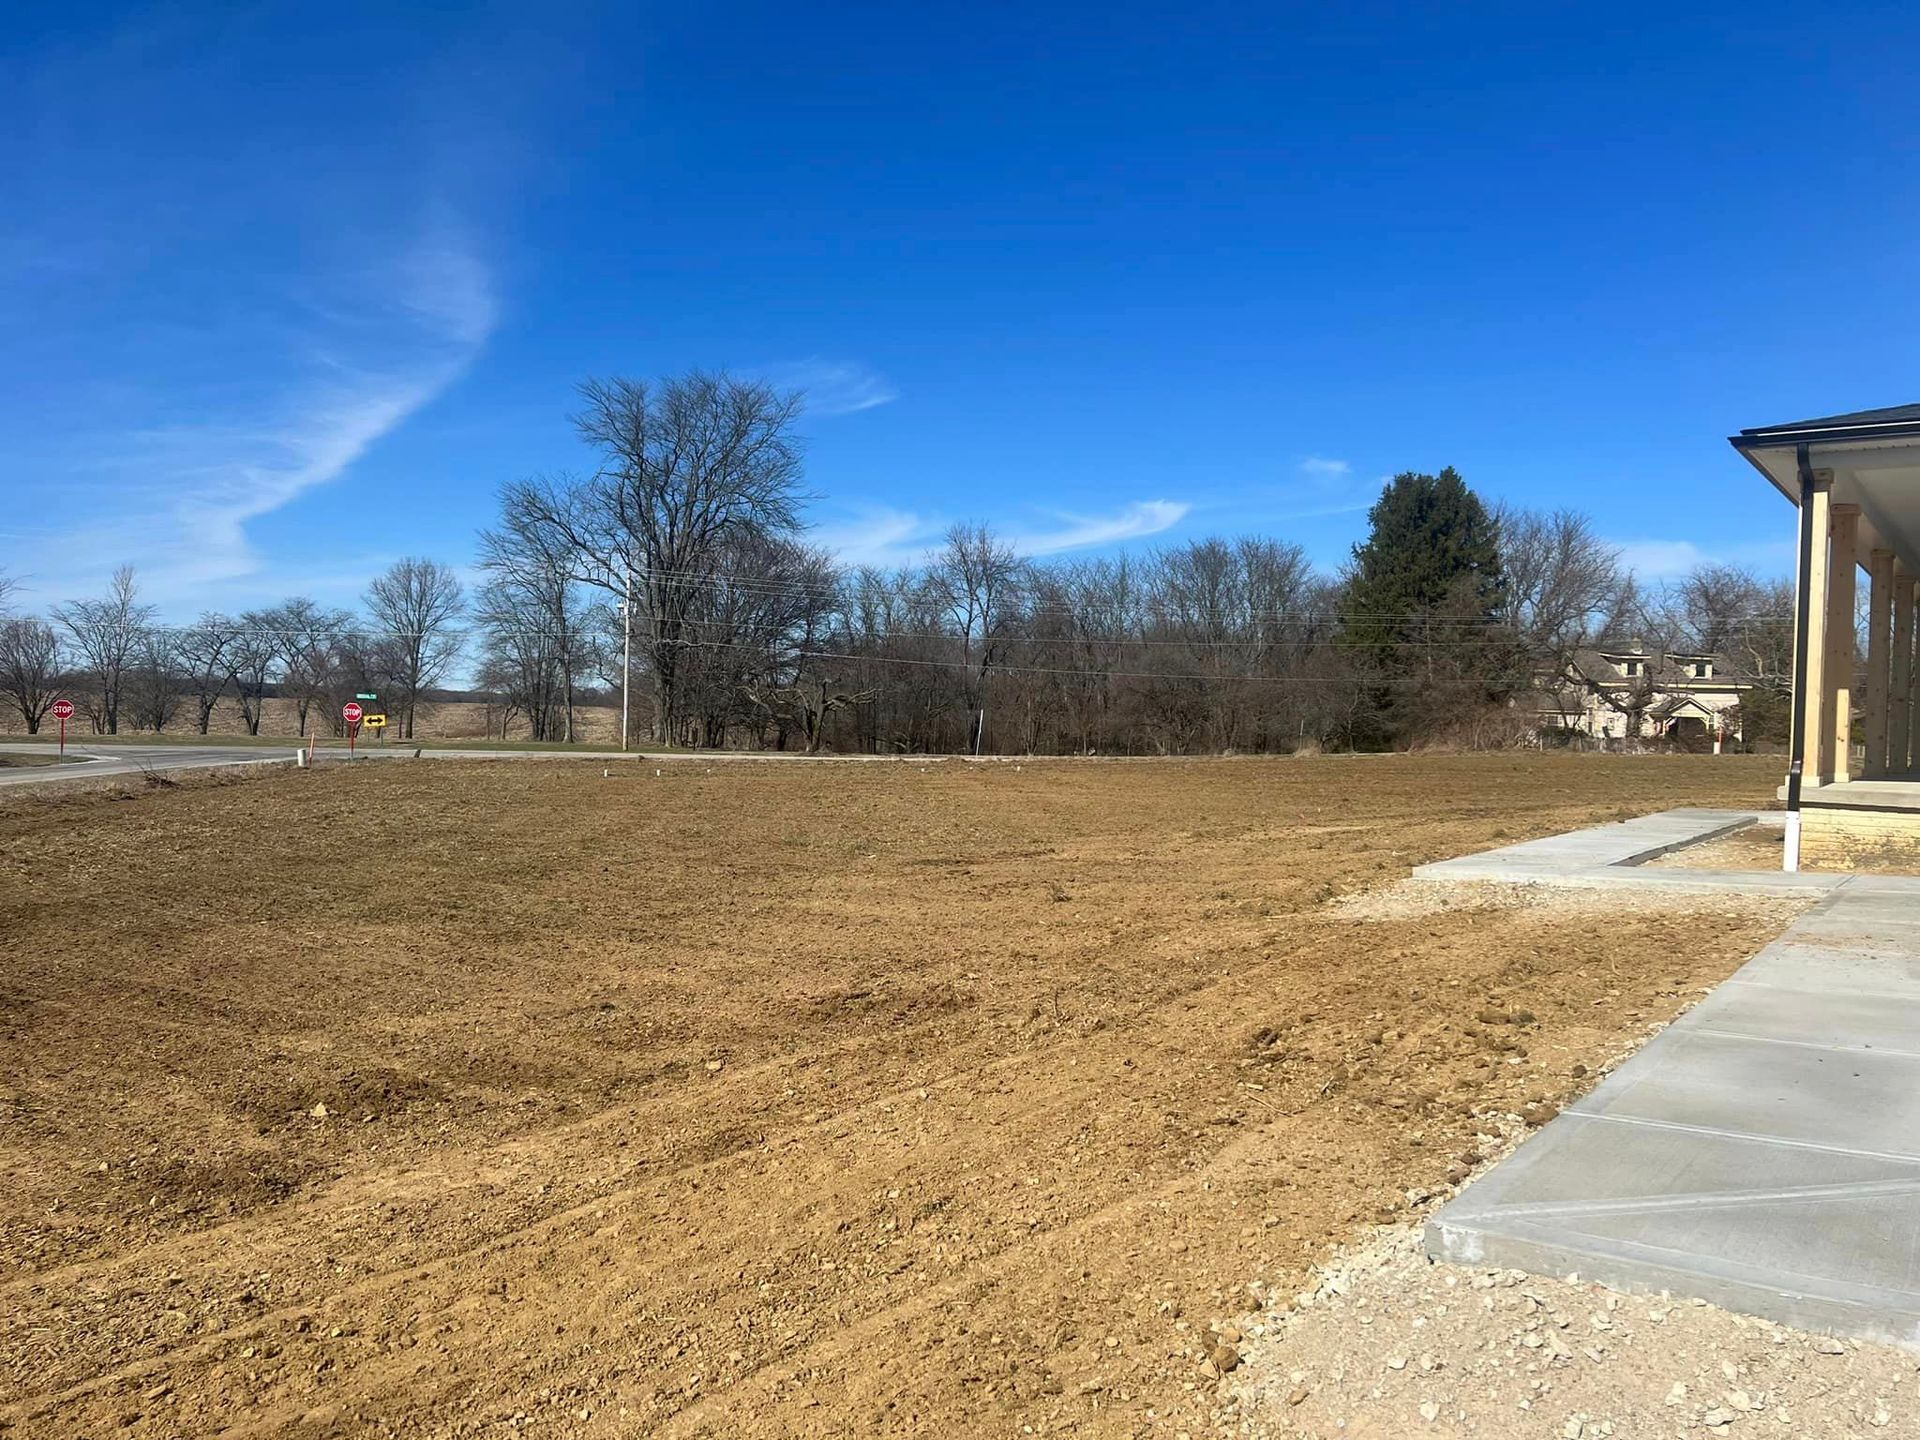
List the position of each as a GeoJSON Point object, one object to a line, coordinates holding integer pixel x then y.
{"type": "Point", "coordinates": [626, 656]}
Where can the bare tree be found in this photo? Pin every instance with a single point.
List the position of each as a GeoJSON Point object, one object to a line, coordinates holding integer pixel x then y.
{"type": "Point", "coordinates": [1563, 581]}
{"type": "Point", "coordinates": [202, 653]}
{"type": "Point", "coordinates": [252, 657]}
{"type": "Point", "coordinates": [1565, 588]}
{"type": "Point", "coordinates": [806, 705]}
{"type": "Point", "coordinates": [686, 464]}
{"type": "Point", "coordinates": [309, 638]}
{"type": "Point", "coordinates": [29, 668]}
{"type": "Point", "coordinates": [762, 643]}
{"type": "Point", "coordinates": [537, 629]}
{"type": "Point", "coordinates": [418, 604]}
{"type": "Point", "coordinates": [154, 683]}
{"type": "Point", "coordinates": [524, 661]}
{"type": "Point", "coordinates": [105, 632]}
{"type": "Point", "coordinates": [981, 579]}
{"type": "Point", "coordinates": [1727, 610]}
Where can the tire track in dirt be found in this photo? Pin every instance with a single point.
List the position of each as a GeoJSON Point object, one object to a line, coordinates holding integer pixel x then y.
{"type": "Point", "coordinates": [1039, 1114]}
{"type": "Point", "coordinates": [517, 1160]}
{"type": "Point", "coordinates": [525, 1155]}
{"type": "Point", "coordinates": [491, 1167]}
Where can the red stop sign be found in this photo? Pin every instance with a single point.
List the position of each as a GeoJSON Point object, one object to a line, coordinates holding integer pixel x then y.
{"type": "Point", "coordinates": [351, 712]}
{"type": "Point", "coordinates": [63, 709]}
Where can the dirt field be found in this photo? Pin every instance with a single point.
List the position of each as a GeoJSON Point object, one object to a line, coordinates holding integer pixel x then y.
{"type": "Point", "coordinates": [478, 1099]}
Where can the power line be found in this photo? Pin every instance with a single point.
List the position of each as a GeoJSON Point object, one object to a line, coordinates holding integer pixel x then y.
{"type": "Point", "coordinates": [1011, 668]}
{"type": "Point", "coordinates": [838, 589]}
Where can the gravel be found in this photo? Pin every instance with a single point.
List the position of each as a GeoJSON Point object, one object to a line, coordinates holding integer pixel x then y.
{"type": "Point", "coordinates": [1385, 1343]}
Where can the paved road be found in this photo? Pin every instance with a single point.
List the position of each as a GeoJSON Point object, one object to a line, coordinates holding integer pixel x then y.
{"type": "Point", "coordinates": [108, 760]}
{"type": "Point", "coordinates": [100, 761]}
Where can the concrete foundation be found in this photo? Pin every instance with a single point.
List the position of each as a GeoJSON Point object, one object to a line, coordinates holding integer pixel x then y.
{"type": "Point", "coordinates": [1876, 821]}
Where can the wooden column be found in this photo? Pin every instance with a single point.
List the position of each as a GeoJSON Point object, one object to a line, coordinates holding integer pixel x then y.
{"type": "Point", "coordinates": [1913, 688]}
{"type": "Point", "coordinates": [1879, 697]}
{"type": "Point", "coordinates": [1900, 712]}
{"type": "Point", "coordinates": [1913, 682]}
{"type": "Point", "coordinates": [1810, 708]}
{"type": "Point", "coordinates": [1842, 640]}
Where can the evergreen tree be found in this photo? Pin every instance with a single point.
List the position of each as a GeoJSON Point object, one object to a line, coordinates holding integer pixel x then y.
{"type": "Point", "coordinates": [1422, 601]}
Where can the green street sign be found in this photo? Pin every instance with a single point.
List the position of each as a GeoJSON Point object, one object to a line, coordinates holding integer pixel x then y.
{"type": "Point", "coordinates": [366, 695]}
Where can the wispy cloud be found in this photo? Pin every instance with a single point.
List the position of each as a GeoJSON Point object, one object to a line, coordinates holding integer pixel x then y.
{"type": "Point", "coordinates": [1657, 560]}
{"type": "Point", "coordinates": [370, 358]}
{"type": "Point", "coordinates": [879, 536]}
{"type": "Point", "coordinates": [890, 538]}
{"type": "Point", "coordinates": [1323, 467]}
{"type": "Point", "coordinates": [833, 387]}
{"type": "Point", "coordinates": [1080, 532]}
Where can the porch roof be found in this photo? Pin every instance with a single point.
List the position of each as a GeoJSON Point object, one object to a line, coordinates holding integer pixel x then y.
{"type": "Point", "coordinates": [1874, 456]}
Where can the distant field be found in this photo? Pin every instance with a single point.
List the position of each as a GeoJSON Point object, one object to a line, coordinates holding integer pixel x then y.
{"type": "Point", "coordinates": [818, 1100]}
{"type": "Point", "coordinates": [595, 725]}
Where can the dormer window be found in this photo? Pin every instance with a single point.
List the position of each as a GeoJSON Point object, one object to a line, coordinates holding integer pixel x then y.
{"type": "Point", "coordinates": [1632, 669]}
{"type": "Point", "coordinates": [1702, 669]}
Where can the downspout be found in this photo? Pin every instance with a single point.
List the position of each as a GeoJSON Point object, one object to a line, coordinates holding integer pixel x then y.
{"type": "Point", "coordinates": [1802, 626]}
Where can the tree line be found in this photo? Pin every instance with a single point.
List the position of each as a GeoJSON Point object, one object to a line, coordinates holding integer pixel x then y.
{"type": "Point", "coordinates": [126, 671]}
{"type": "Point", "coordinates": [684, 548]}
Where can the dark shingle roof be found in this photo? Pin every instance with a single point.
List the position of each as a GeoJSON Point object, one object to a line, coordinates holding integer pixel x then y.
{"type": "Point", "coordinates": [1663, 667]}
{"type": "Point", "coordinates": [1865, 421]}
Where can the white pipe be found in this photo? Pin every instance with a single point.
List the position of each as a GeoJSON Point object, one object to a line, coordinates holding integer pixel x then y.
{"type": "Point", "coordinates": [1791, 862]}
{"type": "Point", "coordinates": [626, 657]}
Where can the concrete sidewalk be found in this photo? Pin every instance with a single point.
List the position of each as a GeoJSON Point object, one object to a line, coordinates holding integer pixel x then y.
{"type": "Point", "coordinates": [1763, 1152]}
{"type": "Point", "coordinates": [1609, 854]}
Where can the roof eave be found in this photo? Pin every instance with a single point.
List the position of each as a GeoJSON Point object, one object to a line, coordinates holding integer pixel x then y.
{"type": "Point", "coordinates": [1783, 436]}
{"type": "Point", "coordinates": [1747, 447]}
{"type": "Point", "coordinates": [1755, 443]}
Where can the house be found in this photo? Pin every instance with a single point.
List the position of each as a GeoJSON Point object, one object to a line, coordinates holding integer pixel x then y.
{"type": "Point", "coordinates": [1636, 692]}
{"type": "Point", "coordinates": [1855, 479]}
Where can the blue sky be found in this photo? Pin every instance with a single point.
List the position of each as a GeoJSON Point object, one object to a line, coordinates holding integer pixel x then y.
{"type": "Point", "coordinates": [288, 292]}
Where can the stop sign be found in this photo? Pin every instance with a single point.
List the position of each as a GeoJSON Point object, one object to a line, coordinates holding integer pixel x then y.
{"type": "Point", "coordinates": [351, 712]}
{"type": "Point", "coordinates": [63, 709]}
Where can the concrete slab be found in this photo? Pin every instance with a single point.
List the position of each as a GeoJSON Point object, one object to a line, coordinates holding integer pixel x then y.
{"type": "Point", "coordinates": [1886, 1021]}
{"type": "Point", "coordinates": [1812, 1237]}
{"type": "Point", "coordinates": [1763, 1152]}
{"type": "Point", "coordinates": [1630, 842]}
{"type": "Point", "coordinates": [1609, 854]}
{"type": "Point", "coordinates": [1802, 962]}
{"type": "Point", "coordinates": [1848, 1099]}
